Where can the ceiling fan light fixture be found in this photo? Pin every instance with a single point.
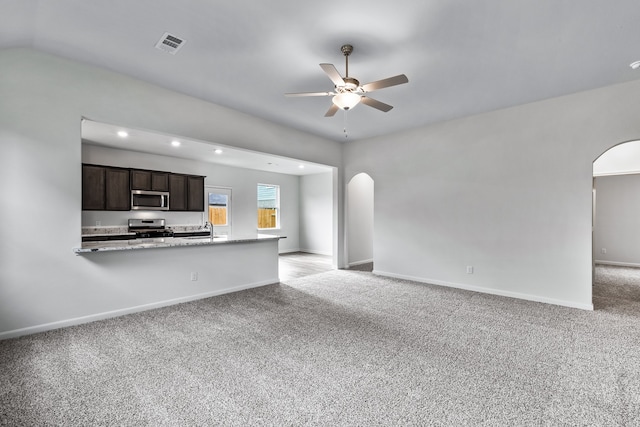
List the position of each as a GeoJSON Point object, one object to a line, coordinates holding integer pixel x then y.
{"type": "Point", "coordinates": [346, 100]}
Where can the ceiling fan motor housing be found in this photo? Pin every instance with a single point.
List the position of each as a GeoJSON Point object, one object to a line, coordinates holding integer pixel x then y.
{"type": "Point", "coordinates": [351, 84]}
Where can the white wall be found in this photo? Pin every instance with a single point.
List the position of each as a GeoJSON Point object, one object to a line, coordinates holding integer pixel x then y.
{"type": "Point", "coordinates": [43, 99]}
{"type": "Point", "coordinates": [507, 192]}
{"type": "Point", "coordinates": [316, 213]}
{"type": "Point", "coordinates": [360, 226]}
{"type": "Point", "coordinates": [617, 220]}
{"type": "Point", "coordinates": [242, 181]}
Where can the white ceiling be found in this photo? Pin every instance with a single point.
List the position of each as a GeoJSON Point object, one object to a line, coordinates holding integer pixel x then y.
{"type": "Point", "coordinates": [104, 134]}
{"type": "Point", "coordinates": [461, 57]}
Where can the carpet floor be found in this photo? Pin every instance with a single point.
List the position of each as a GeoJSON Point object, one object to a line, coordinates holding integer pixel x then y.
{"type": "Point", "coordinates": [337, 348]}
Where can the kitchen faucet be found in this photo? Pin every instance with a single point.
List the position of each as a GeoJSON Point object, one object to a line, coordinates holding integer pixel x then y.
{"type": "Point", "coordinates": [208, 224]}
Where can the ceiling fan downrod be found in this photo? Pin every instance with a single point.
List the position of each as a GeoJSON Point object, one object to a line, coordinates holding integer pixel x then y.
{"type": "Point", "coordinates": [346, 51]}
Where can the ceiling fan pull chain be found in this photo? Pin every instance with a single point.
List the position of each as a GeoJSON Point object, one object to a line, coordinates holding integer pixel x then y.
{"type": "Point", "coordinates": [345, 125]}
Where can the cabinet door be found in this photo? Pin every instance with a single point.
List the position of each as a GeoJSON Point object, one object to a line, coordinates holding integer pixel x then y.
{"type": "Point", "coordinates": [177, 192]}
{"type": "Point", "coordinates": [93, 188]}
{"type": "Point", "coordinates": [140, 180]}
{"type": "Point", "coordinates": [159, 181]}
{"type": "Point", "coordinates": [118, 196]}
{"type": "Point", "coordinates": [149, 180]}
{"type": "Point", "coordinates": [195, 197]}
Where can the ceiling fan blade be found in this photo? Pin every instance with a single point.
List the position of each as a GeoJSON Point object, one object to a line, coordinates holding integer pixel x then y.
{"type": "Point", "coordinates": [333, 74]}
{"type": "Point", "coordinates": [381, 84]}
{"type": "Point", "coordinates": [310, 94]}
{"type": "Point", "coordinates": [332, 110]}
{"type": "Point", "coordinates": [375, 103]}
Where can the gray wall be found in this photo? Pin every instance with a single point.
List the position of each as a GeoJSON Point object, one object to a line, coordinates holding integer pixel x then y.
{"type": "Point", "coordinates": [507, 192]}
{"type": "Point", "coordinates": [316, 213]}
{"type": "Point", "coordinates": [243, 183]}
{"type": "Point", "coordinates": [43, 100]}
{"type": "Point", "coordinates": [617, 220]}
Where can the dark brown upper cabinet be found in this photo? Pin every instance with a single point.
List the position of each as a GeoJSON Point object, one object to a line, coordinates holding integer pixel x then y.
{"type": "Point", "coordinates": [177, 192]}
{"type": "Point", "coordinates": [109, 188]}
{"type": "Point", "coordinates": [195, 193]}
{"type": "Point", "coordinates": [118, 195]}
{"type": "Point", "coordinates": [93, 188]}
{"type": "Point", "coordinates": [105, 188]}
{"type": "Point", "coordinates": [186, 193]}
{"type": "Point", "coordinates": [149, 180]}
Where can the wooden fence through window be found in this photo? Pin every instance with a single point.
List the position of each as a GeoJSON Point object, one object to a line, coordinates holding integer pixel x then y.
{"type": "Point", "coordinates": [267, 218]}
{"type": "Point", "coordinates": [218, 215]}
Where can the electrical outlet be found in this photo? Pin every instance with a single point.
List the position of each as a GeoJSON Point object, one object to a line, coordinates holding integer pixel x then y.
{"type": "Point", "coordinates": [469, 269]}
{"type": "Point", "coordinates": [603, 250]}
{"type": "Point", "coordinates": [194, 276]}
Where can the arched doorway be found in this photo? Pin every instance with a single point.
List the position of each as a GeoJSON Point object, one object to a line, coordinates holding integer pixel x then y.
{"type": "Point", "coordinates": [616, 221]}
{"type": "Point", "coordinates": [360, 192]}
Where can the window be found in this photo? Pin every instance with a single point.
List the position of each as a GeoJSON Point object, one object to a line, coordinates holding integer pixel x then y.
{"type": "Point", "coordinates": [218, 204]}
{"type": "Point", "coordinates": [268, 206]}
{"type": "Point", "coordinates": [219, 211]}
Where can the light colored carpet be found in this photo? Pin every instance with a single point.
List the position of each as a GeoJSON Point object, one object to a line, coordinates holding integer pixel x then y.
{"type": "Point", "coordinates": [335, 348]}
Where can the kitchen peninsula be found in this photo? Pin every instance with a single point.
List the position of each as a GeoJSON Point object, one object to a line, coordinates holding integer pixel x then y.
{"type": "Point", "coordinates": [153, 233]}
{"type": "Point", "coordinates": [176, 263]}
{"type": "Point", "coordinates": [151, 273]}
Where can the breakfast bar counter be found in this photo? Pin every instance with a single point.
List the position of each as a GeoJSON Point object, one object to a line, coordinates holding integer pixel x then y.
{"type": "Point", "coordinates": [165, 242]}
{"type": "Point", "coordinates": [155, 272]}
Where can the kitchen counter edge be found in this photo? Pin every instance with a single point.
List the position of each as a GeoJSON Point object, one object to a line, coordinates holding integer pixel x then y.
{"type": "Point", "coordinates": [126, 245]}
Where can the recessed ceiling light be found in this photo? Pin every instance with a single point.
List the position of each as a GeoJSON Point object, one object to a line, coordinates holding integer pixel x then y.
{"type": "Point", "coordinates": [301, 166]}
{"type": "Point", "coordinates": [218, 151]}
{"type": "Point", "coordinates": [175, 143]}
{"type": "Point", "coordinates": [123, 133]}
{"type": "Point", "coordinates": [635, 65]}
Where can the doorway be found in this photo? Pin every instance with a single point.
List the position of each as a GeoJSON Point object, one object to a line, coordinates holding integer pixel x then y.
{"type": "Point", "coordinates": [219, 209]}
{"type": "Point", "coordinates": [616, 228]}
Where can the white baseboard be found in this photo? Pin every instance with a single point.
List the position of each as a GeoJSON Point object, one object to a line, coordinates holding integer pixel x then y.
{"type": "Point", "coordinates": [308, 251]}
{"type": "Point", "coordinates": [366, 261]}
{"type": "Point", "coordinates": [491, 291]}
{"type": "Point", "coordinates": [121, 312]}
{"type": "Point", "coordinates": [288, 251]}
{"type": "Point", "coordinates": [313, 251]}
{"type": "Point", "coordinates": [618, 264]}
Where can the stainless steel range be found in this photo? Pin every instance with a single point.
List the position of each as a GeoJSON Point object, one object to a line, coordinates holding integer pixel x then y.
{"type": "Point", "coordinates": [149, 228]}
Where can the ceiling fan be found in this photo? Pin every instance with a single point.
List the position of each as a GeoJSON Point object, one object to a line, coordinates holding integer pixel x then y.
{"type": "Point", "coordinates": [348, 92]}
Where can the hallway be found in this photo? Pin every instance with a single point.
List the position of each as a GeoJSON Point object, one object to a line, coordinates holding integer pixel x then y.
{"type": "Point", "coordinates": [300, 264]}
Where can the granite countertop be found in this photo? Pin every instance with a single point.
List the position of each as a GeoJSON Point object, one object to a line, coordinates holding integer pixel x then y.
{"type": "Point", "coordinates": [165, 242]}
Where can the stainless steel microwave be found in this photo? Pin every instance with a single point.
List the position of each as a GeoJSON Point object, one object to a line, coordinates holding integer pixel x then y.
{"type": "Point", "coordinates": [149, 200]}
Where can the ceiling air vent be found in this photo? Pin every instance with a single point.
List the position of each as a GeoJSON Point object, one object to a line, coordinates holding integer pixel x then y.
{"type": "Point", "coordinates": [170, 43]}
